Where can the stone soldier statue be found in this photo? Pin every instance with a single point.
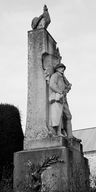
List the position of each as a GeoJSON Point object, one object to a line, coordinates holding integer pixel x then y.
{"type": "Point", "coordinates": [60, 116]}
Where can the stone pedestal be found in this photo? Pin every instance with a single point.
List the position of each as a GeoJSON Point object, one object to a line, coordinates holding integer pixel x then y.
{"type": "Point", "coordinates": [53, 169]}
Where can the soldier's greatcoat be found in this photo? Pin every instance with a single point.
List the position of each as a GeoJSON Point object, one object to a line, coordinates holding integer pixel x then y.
{"type": "Point", "coordinates": [59, 87]}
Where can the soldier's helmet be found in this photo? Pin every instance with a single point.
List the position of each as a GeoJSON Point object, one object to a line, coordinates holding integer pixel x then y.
{"type": "Point", "coordinates": [60, 65]}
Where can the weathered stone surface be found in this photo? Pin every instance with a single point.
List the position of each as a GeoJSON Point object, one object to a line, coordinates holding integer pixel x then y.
{"type": "Point", "coordinates": [46, 142]}
{"type": "Point", "coordinates": [55, 178]}
{"type": "Point", "coordinates": [39, 42]}
{"type": "Point", "coordinates": [57, 141]}
{"type": "Point", "coordinates": [55, 169]}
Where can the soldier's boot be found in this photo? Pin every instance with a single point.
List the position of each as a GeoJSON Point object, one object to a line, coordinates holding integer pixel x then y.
{"type": "Point", "coordinates": [69, 129]}
{"type": "Point", "coordinates": [55, 128]}
{"type": "Point", "coordinates": [59, 133]}
{"type": "Point", "coordinates": [64, 132]}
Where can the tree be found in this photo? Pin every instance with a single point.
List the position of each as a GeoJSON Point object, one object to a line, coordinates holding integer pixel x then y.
{"type": "Point", "coordinates": [11, 138]}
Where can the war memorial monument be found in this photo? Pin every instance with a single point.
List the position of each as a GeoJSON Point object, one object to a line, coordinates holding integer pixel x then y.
{"type": "Point", "coordinates": [52, 159]}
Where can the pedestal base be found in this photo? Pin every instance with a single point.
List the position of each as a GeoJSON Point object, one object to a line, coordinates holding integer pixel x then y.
{"type": "Point", "coordinates": [53, 141]}
{"type": "Point", "coordinates": [56, 169]}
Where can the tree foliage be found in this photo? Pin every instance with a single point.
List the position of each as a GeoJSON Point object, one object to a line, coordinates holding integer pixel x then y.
{"type": "Point", "coordinates": [11, 140]}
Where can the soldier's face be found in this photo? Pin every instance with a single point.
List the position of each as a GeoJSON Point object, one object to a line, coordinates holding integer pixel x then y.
{"type": "Point", "coordinates": [60, 69]}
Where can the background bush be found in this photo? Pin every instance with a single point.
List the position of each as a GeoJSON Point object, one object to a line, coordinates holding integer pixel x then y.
{"type": "Point", "coordinates": [11, 140]}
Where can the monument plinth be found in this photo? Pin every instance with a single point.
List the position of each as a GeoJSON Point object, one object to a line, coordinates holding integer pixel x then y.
{"type": "Point", "coordinates": [52, 159]}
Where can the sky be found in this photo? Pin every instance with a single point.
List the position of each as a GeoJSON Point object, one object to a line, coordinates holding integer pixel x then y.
{"type": "Point", "coordinates": [73, 26]}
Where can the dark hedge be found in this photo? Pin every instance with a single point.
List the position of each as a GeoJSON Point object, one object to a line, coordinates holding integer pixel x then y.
{"type": "Point", "coordinates": [11, 140]}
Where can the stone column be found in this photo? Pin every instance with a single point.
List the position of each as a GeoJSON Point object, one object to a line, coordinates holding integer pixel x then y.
{"type": "Point", "coordinates": [40, 42]}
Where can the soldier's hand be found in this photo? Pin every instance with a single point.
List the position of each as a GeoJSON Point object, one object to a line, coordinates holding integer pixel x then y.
{"type": "Point", "coordinates": [59, 96]}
